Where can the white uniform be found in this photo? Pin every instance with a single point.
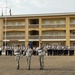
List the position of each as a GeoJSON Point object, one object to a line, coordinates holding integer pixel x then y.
{"type": "Point", "coordinates": [17, 56]}
{"type": "Point", "coordinates": [29, 52]}
{"type": "Point", "coordinates": [41, 53]}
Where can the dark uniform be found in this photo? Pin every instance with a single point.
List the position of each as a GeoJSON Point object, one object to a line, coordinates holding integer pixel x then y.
{"type": "Point", "coordinates": [0, 51]}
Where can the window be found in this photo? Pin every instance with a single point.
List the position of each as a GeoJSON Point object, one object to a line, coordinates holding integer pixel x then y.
{"type": "Point", "coordinates": [47, 43]}
{"type": "Point", "coordinates": [54, 22]}
{"type": "Point", "coordinates": [9, 23]}
{"type": "Point", "coordinates": [62, 33]}
{"type": "Point", "coordinates": [73, 44]}
{"type": "Point", "coordinates": [73, 21]}
{"type": "Point", "coordinates": [47, 22]}
{"type": "Point", "coordinates": [22, 33]}
{"type": "Point", "coordinates": [46, 33]}
{"type": "Point", "coordinates": [63, 44]}
{"type": "Point", "coordinates": [62, 21]}
{"type": "Point", "coordinates": [55, 33]}
{"type": "Point", "coordinates": [73, 33]}
{"type": "Point", "coordinates": [22, 23]}
{"type": "Point", "coordinates": [16, 23]}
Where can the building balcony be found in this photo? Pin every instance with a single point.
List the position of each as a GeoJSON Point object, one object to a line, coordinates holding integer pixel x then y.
{"type": "Point", "coordinates": [14, 27]}
{"type": "Point", "coordinates": [53, 37]}
{"type": "Point", "coordinates": [72, 36]}
{"type": "Point", "coordinates": [54, 26]}
{"type": "Point", "coordinates": [33, 36]}
{"type": "Point", "coordinates": [33, 26]}
{"type": "Point", "coordinates": [14, 37]}
{"type": "Point", "coordinates": [72, 25]}
{"type": "Point", "coordinates": [47, 38]}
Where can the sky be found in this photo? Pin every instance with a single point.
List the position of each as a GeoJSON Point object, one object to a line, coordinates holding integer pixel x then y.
{"type": "Point", "coordinates": [37, 6]}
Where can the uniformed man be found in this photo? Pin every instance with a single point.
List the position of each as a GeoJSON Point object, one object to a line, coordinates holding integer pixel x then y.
{"type": "Point", "coordinates": [41, 53]}
{"type": "Point", "coordinates": [29, 52]}
{"type": "Point", "coordinates": [17, 52]}
{"type": "Point", "coordinates": [0, 50]}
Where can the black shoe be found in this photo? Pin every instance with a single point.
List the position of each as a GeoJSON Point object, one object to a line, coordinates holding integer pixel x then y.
{"type": "Point", "coordinates": [17, 67]}
{"type": "Point", "coordinates": [40, 68]}
{"type": "Point", "coordinates": [28, 68]}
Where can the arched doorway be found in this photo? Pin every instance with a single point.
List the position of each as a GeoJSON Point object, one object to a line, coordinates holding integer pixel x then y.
{"type": "Point", "coordinates": [34, 36]}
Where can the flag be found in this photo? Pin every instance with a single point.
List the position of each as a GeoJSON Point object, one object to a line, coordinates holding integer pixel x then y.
{"type": "Point", "coordinates": [10, 11]}
{"type": "Point", "coordinates": [31, 45]}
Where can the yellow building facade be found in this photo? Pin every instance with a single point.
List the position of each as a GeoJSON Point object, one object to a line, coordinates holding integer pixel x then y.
{"type": "Point", "coordinates": [51, 29]}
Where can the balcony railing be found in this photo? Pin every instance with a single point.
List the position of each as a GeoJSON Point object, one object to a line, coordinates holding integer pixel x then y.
{"type": "Point", "coordinates": [47, 37]}
{"type": "Point", "coordinates": [72, 25]}
{"type": "Point", "coordinates": [33, 26]}
{"type": "Point", "coordinates": [53, 37]}
{"type": "Point", "coordinates": [33, 36]}
{"type": "Point", "coordinates": [12, 37]}
{"type": "Point", "coordinates": [54, 26]}
{"type": "Point", "coordinates": [72, 36]}
{"type": "Point", "coordinates": [14, 27]}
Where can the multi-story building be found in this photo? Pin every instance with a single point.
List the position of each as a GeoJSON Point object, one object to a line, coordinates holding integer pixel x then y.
{"type": "Point", "coordinates": [52, 29]}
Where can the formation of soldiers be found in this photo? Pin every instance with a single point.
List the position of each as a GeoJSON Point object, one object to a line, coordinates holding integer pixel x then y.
{"type": "Point", "coordinates": [41, 50]}
{"type": "Point", "coordinates": [60, 50]}
{"type": "Point", "coordinates": [19, 52]}
{"type": "Point", "coordinates": [10, 50]}
{"type": "Point", "coordinates": [51, 50]}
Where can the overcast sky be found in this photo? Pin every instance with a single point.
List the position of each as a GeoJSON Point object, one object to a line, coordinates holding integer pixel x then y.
{"type": "Point", "coordinates": [38, 6]}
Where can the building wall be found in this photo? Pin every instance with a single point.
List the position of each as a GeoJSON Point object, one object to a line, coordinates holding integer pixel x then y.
{"type": "Point", "coordinates": [48, 29]}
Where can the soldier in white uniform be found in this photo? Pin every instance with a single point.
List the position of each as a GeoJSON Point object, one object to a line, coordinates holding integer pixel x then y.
{"type": "Point", "coordinates": [29, 52]}
{"type": "Point", "coordinates": [41, 53]}
{"type": "Point", "coordinates": [17, 52]}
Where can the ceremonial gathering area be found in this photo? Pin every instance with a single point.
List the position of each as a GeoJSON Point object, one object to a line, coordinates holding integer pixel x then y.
{"type": "Point", "coordinates": [56, 31]}
{"type": "Point", "coordinates": [53, 65]}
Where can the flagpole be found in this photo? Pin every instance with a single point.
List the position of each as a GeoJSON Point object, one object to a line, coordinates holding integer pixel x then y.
{"type": "Point", "coordinates": [5, 22]}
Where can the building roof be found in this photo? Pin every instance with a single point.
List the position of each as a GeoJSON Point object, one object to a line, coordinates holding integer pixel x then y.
{"type": "Point", "coordinates": [38, 15]}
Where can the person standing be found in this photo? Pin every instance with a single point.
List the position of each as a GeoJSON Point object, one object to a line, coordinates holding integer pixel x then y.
{"type": "Point", "coordinates": [17, 52]}
{"type": "Point", "coordinates": [0, 50]}
{"type": "Point", "coordinates": [29, 52]}
{"type": "Point", "coordinates": [41, 52]}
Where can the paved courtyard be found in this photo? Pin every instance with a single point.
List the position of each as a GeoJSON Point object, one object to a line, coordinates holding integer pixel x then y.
{"type": "Point", "coordinates": [54, 65]}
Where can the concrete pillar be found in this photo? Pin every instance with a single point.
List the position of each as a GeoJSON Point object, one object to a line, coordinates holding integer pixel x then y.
{"type": "Point", "coordinates": [67, 31]}
{"type": "Point", "coordinates": [1, 32]}
{"type": "Point", "coordinates": [40, 30]}
{"type": "Point", "coordinates": [26, 32]}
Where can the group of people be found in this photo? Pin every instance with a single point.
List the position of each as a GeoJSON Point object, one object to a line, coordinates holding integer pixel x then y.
{"type": "Point", "coordinates": [51, 50]}
{"type": "Point", "coordinates": [28, 51]}
{"type": "Point", "coordinates": [41, 50]}
{"type": "Point", "coordinates": [60, 50]}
